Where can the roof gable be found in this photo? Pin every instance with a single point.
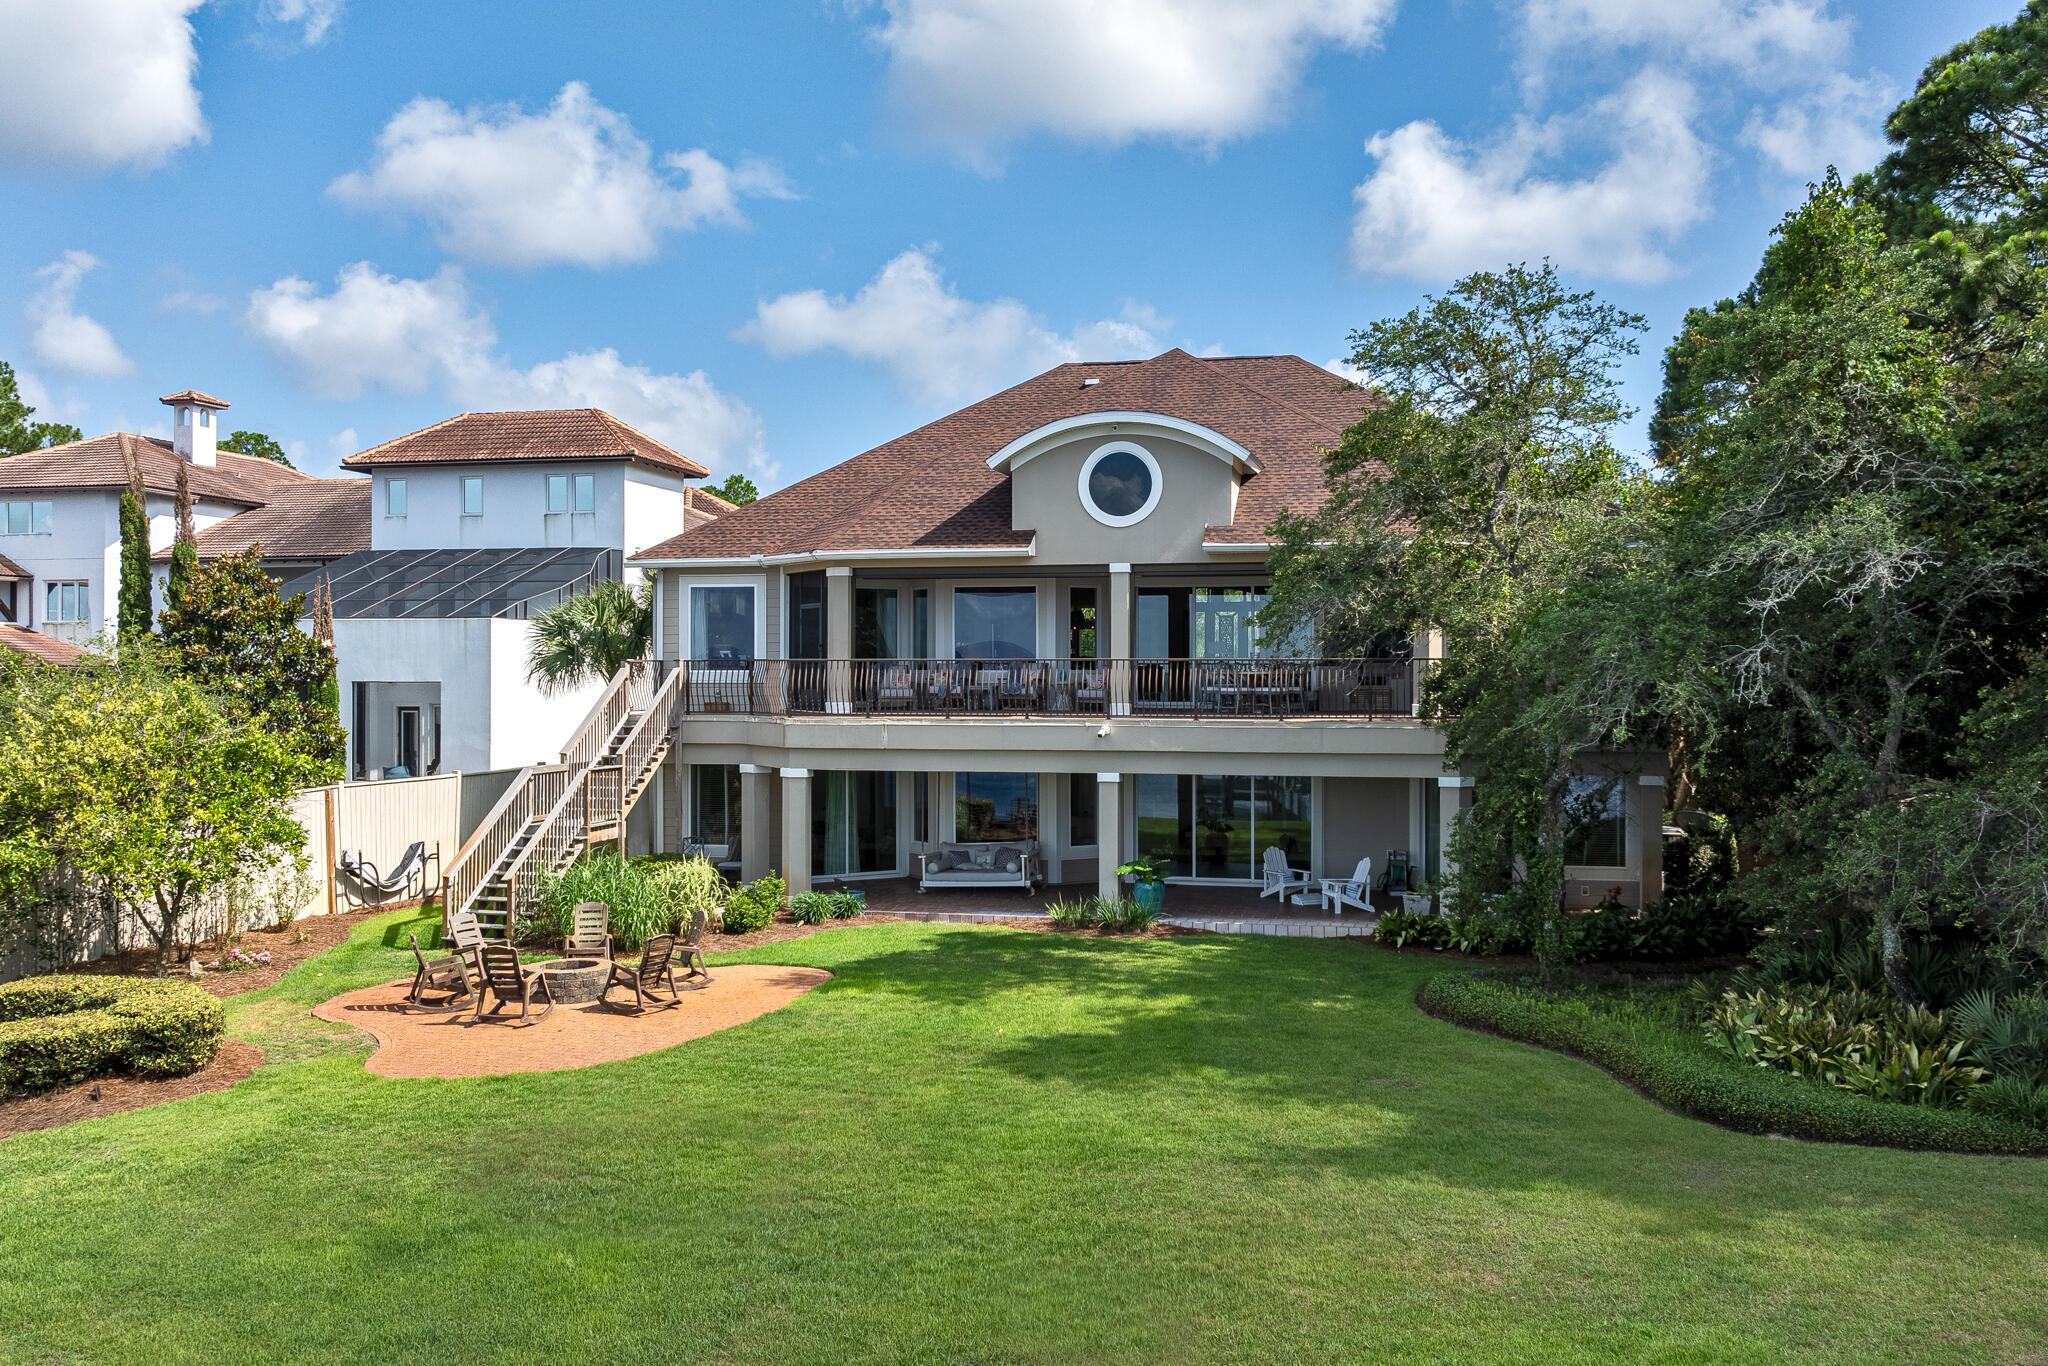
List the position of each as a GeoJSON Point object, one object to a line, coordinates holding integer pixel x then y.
{"type": "Point", "coordinates": [104, 462]}
{"type": "Point", "coordinates": [546, 434]}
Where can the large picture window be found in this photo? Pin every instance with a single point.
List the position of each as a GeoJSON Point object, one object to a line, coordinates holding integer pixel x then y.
{"type": "Point", "coordinates": [1596, 831]}
{"type": "Point", "coordinates": [995, 806]}
{"type": "Point", "coordinates": [27, 519]}
{"type": "Point", "coordinates": [995, 623]}
{"type": "Point", "coordinates": [68, 602]}
{"type": "Point", "coordinates": [722, 624]}
{"type": "Point", "coordinates": [853, 823]}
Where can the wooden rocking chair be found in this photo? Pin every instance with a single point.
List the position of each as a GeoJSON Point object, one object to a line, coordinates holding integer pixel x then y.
{"type": "Point", "coordinates": [657, 968]}
{"type": "Point", "coordinates": [449, 975]}
{"type": "Point", "coordinates": [590, 931]}
{"type": "Point", "coordinates": [691, 949]}
{"type": "Point", "coordinates": [506, 980]}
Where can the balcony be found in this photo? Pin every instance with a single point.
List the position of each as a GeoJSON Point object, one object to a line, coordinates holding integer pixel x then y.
{"type": "Point", "coordinates": [1198, 689]}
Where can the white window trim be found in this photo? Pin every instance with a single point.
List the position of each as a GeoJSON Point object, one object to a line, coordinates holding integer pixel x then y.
{"type": "Point", "coordinates": [686, 626]}
{"type": "Point", "coordinates": [405, 496]}
{"type": "Point", "coordinates": [464, 489]}
{"type": "Point", "coordinates": [1109, 448]}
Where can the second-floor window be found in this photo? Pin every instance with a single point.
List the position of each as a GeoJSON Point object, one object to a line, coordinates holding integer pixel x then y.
{"type": "Point", "coordinates": [472, 496]}
{"type": "Point", "coordinates": [28, 519]}
{"type": "Point", "coordinates": [722, 623]}
{"type": "Point", "coordinates": [568, 493]}
{"type": "Point", "coordinates": [68, 602]}
{"type": "Point", "coordinates": [394, 498]}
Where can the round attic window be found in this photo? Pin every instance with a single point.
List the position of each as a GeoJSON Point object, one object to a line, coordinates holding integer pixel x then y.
{"type": "Point", "coordinates": [1120, 484]}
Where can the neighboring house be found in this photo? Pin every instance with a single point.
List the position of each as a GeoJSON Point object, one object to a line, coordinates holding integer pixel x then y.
{"type": "Point", "coordinates": [305, 526]}
{"type": "Point", "coordinates": [60, 523]}
{"type": "Point", "coordinates": [39, 647]}
{"type": "Point", "coordinates": [1031, 621]}
{"type": "Point", "coordinates": [475, 525]}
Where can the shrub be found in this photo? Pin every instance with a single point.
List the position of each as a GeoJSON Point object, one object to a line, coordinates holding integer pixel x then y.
{"type": "Point", "coordinates": [1398, 929]}
{"type": "Point", "coordinates": [1076, 914]}
{"type": "Point", "coordinates": [1127, 914]}
{"type": "Point", "coordinates": [810, 908]}
{"type": "Point", "coordinates": [1680, 1072]}
{"type": "Point", "coordinates": [1858, 1040]}
{"type": "Point", "coordinates": [59, 1030]}
{"type": "Point", "coordinates": [1095, 912]}
{"type": "Point", "coordinates": [845, 905]}
{"type": "Point", "coordinates": [685, 886]}
{"type": "Point", "coordinates": [752, 906]}
{"type": "Point", "coordinates": [2016, 1099]}
{"type": "Point", "coordinates": [636, 910]}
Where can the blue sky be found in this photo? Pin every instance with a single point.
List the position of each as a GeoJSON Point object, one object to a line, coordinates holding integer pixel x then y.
{"type": "Point", "coordinates": [775, 235]}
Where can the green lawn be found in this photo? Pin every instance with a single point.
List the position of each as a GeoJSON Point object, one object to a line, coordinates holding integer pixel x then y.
{"type": "Point", "coordinates": [977, 1145]}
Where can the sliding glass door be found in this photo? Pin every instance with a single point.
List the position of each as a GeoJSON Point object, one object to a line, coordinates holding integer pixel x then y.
{"type": "Point", "coordinates": [1220, 825]}
{"type": "Point", "coordinates": [853, 823]}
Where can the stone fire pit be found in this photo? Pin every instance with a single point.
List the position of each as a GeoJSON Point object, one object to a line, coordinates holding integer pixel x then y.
{"type": "Point", "coordinates": [574, 981]}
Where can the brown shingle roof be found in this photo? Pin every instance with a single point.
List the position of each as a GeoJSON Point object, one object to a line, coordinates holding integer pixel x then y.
{"type": "Point", "coordinates": [10, 570]}
{"type": "Point", "coordinates": [38, 646]}
{"type": "Point", "coordinates": [933, 489]}
{"type": "Point", "coordinates": [101, 462]}
{"type": "Point", "coordinates": [551, 434]}
{"type": "Point", "coordinates": [320, 519]}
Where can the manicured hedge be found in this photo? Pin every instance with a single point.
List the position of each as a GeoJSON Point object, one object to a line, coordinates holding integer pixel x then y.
{"type": "Point", "coordinates": [59, 1030]}
{"type": "Point", "coordinates": [1720, 1090]}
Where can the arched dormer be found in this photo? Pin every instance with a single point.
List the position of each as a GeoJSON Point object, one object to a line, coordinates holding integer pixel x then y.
{"type": "Point", "coordinates": [1122, 486]}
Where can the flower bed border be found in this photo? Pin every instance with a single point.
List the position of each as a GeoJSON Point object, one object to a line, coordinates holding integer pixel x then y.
{"type": "Point", "coordinates": [1751, 1100]}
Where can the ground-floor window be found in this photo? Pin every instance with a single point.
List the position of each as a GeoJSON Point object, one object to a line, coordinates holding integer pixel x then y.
{"type": "Point", "coordinates": [714, 803]}
{"type": "Point", "coordinates": [853, 823]}
{"type": "Point", "coordinates": [995, 806]}
{"type": "Point", "coordinates": [1597, 833]}
{"type": "Point", "coordinates": [1219, 825]}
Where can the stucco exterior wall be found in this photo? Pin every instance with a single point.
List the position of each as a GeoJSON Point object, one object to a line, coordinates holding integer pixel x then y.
{"type": "Point", "coordinates": [525, 726]}
{"type": "Point", "coordinates": [515, 507]}
{"type": "Point", "coordinates": [1195, 492]}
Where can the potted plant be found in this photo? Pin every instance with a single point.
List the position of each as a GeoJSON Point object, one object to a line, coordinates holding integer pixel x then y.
{"type": "Point", "coordinates": [1149, 879]}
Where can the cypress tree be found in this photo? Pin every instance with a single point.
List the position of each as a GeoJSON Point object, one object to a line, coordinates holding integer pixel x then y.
{"type": "Point", "coordinates": [133, 615]}
{"type": "Point", "coordinates": [184, 554]}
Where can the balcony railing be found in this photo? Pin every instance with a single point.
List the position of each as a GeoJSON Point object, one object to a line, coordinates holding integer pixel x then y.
{"type": "Point", "coordinates": [1204, 688]}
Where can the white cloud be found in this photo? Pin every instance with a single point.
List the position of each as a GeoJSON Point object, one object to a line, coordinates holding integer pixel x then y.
{"type": "Point", "coordinates": [315, 19]}
{"type": "Point", "coordinates": [1839, 123]}
{"type": "Point", "coordinates": [93, 83]}
{"type": "Point", "coordinates": [194, 303]}
{"type": "Point", "coordinates": [1765, 41]}
{"type": "Point", "coordinates": [940, 347]}
{"type": "Point", "coordinates": [59, 333]}
{"type": "Point", "coordinates": [1434, 208]}
{"type": "Point", "coordinates": [380, 330]}
{"type": "Point", "coordinates": [974, 73]}
{"type": "Point", "coordinates": [1342, 368]}
{"type": "Point", "coordinates": [571, 185]}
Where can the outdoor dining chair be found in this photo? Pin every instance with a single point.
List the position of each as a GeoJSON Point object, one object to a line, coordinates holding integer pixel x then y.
{"type": "Point", "coordinates": [590, 931]}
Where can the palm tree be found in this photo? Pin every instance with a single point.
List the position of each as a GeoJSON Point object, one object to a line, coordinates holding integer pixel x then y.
{"type": "Point", "coordinates": [589, 638]}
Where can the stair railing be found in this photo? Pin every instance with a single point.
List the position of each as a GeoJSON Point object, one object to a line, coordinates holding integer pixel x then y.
{"type": "Point", "coordinates": [629, 686]}
{"type": "Point", "coordinates": [532, 787]}
{"type": "Point", "coordinates": [644, 747]}
{"type": "Point", "coordinates": [562, 834]}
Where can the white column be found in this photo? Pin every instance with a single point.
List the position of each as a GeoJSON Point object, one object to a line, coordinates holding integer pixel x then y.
{"type": "Point", "coordinates": [1648, 820]}
{"type": "Point", "coordinates": [1121, 634]}
{"type": "Point", "coordinates": [796, 829]}
{"type": "Point", "coordinates": [1108, 827]}
{"type": "Point", "coordinates": [1454, 795]}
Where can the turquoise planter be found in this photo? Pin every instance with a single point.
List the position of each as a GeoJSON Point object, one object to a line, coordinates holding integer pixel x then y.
{"type": "Point", "coordinates": [1150, 896]}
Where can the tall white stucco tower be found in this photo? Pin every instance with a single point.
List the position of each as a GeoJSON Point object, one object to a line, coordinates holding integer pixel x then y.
{"type": "Point", "coordinates": [196, 430]}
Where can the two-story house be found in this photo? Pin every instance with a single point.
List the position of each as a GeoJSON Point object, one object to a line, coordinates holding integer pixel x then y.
{"type": "Point", "coordinates": [60, 518]}
{"type": "Point", "coordinates": [474, 526]}
{"type": "Point", "coordinates": [1031, 622]}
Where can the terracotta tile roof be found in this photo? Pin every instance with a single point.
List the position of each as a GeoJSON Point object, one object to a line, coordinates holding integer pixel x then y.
{"type": "Point", "coordinates": [933, 489]}
{"type": "Point", "coordinates": [195, 399]}
{"type": "Point", "coordinates": [701, 505]}
{"type": "Point", "coordinates": [101, 462]}
{"type": "Point", "coordinates": [10, 570]}
{"type": "Point", "coordinates": [320, 519]}
{"type": "Point", "coordinates": [551, 434]}
{"type": "Point", "coordinates": [36, 645]}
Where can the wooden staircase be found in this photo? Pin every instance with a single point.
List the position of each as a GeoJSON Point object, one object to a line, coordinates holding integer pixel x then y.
{"type": "Point", "coordinates": [553, 813]}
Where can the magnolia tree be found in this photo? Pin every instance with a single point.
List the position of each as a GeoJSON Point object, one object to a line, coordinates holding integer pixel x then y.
{"type": "Point", "coordinates": [142, 788]}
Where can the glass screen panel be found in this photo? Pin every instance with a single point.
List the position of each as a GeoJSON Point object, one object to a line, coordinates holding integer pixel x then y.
{"type": "Point", "coordinates": [722, 624]}
{"type": "Point", "coordinates": [995, 623]}
{"type": "Point", "coordinates": [995, 806]}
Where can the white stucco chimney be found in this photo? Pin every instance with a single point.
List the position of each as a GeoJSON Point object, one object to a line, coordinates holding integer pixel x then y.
{"type": "Point", "coordinates": [195, 424]}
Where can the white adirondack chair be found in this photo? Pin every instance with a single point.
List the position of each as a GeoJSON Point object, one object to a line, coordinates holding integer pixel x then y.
{"type": "Point", "coordinates": [1279, 878]}
{"type": "Point", "coordinates": [1353, 891]}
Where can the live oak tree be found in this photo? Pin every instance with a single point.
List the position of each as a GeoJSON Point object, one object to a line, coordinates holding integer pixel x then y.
{"type": "Point", "coordinates": [1479, 496]}
{"type": "Point", "coordinates": [259, 445]}
{"type": "Point", "coordinates": [737, 490]}
{"type": "Point", "coordinates": [228, 629]}
{"type": "Point", "coordinates": [140, 785]}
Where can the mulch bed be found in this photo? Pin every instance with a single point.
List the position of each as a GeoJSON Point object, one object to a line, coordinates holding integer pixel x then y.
{"type": "Point", "coordinates": [287, 945]}
{"type": "Point", "coordinates": [111, 1095]}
